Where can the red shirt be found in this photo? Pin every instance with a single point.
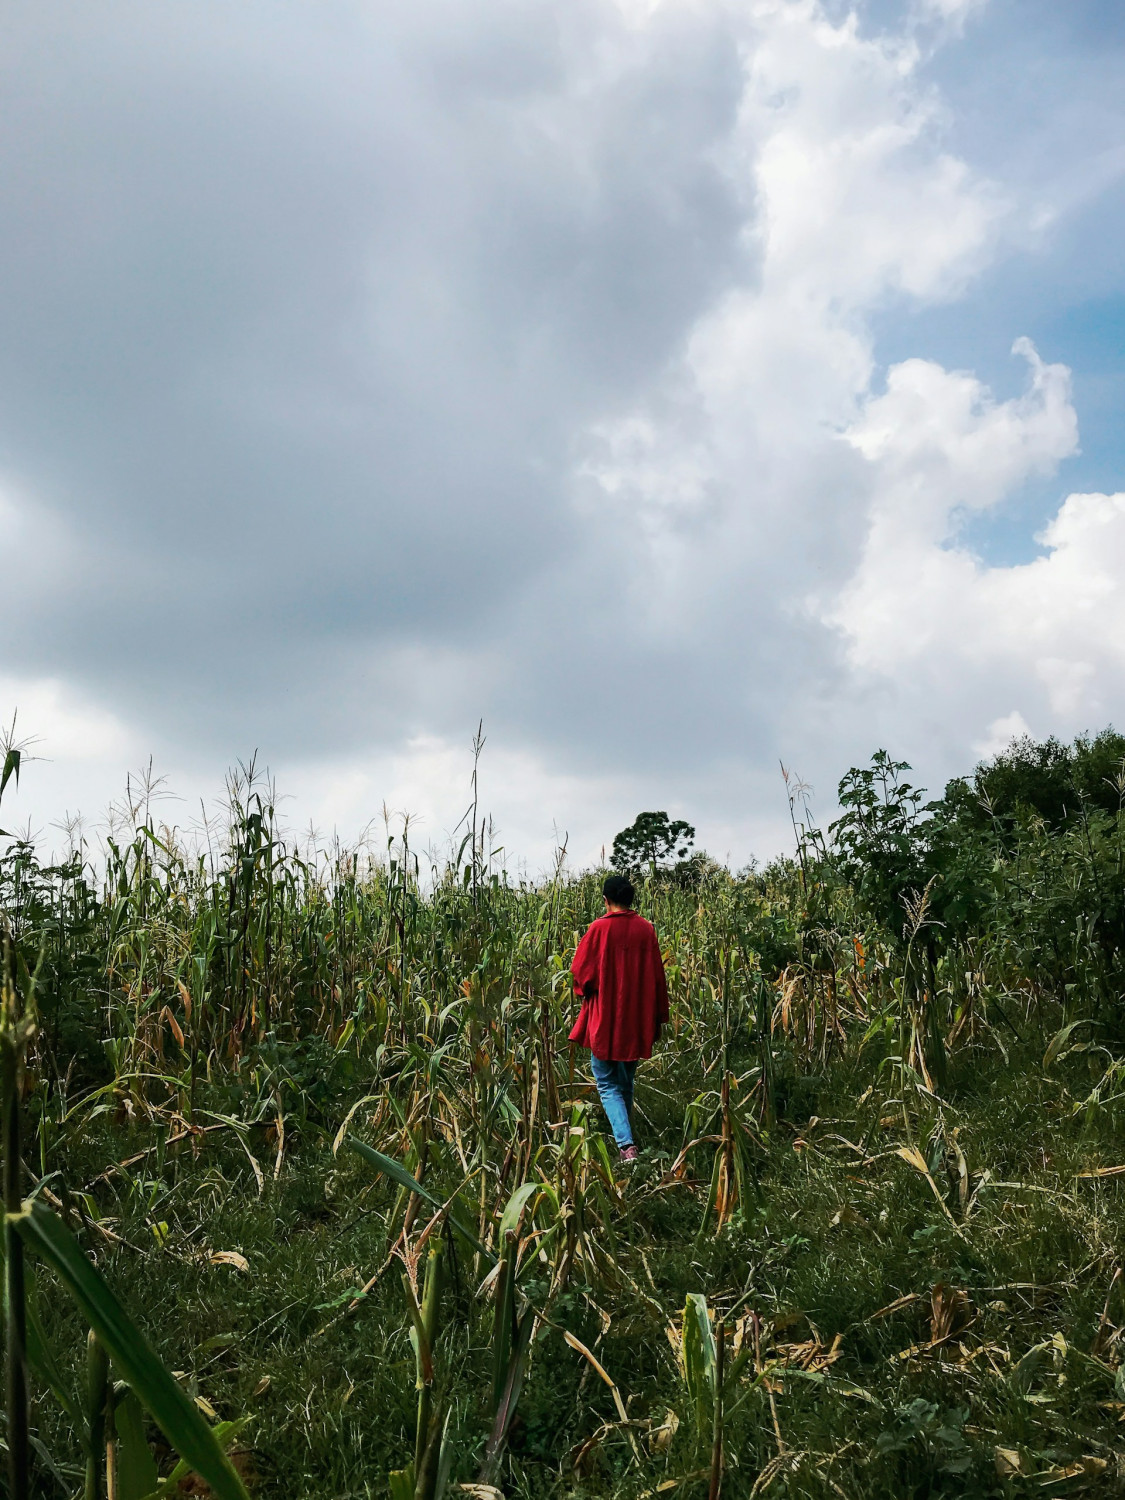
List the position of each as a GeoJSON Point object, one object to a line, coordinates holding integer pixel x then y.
{"type": "Point", "coordinates": [619, 972]}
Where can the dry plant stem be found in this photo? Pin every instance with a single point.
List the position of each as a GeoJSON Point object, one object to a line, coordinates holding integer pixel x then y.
{"type": "Point", "coordinates": [1103, 1321]}
{"type": "Point", "coordinates": [504, 1318]}
{"type": "Point", "coordinates": [280, 1138]}
{"type": "Point", "coordinates": [110, 1446]}
{"type": "Point", "coordinates": [756, 1325]}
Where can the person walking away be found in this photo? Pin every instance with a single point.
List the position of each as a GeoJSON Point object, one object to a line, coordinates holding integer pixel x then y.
{"type": "Point", "coordinates": [619, 973]}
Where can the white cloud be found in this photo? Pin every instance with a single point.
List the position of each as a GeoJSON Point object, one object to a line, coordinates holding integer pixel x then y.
{"type": "Point", "coordinates": [858, 197]}
{"type": "Point", "coordinates": [736, 470]}
{"type": "Point", "coordinates": [940, 446]}
{"type": "Point", "coordinates": [733, 465]}
{"type": "Point", "coordinates": [1000, 734]}
{"type": "Point", "coordinates": [76, 755]}
{"type": "Point", "coordinates": [55, 716]}
{"type": "Point", "coordinates": [954, 634]}
{"type": "Point", "coordinates": [953, 12]}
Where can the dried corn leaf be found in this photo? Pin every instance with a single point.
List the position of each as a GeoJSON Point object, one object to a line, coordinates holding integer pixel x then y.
{"type": "Point", "coordinates": [229, 1258]}
{"type": "Point", "coordinates": [849, 1216]}
{"type": "Point", "coordinates": [949, 1312]}
{"type": "Point", "coordinates": [896, 1306]}
{"type": "Point", "coordinates": [1009, 1463]}
{"type": "Point", "coordinates": [1087, 1467]}
{"type": "Point", "coordinates": [660, 1438]}
{"type": "Point", "coordinates": [813, 1354]}
{"type": "Point", "coordinates": [912, 1155]}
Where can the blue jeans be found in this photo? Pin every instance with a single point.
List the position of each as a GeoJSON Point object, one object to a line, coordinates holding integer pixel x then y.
{"type": "Point", "coordinates": [615, 1088]}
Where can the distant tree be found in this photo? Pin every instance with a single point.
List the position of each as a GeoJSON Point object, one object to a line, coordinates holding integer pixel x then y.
{"type": "Point", "coordinates": [1049, 780]}
{"type": "Point", "coordinates": [653, 842]}
{"type": "Point", "coordinates": [698, 870]}
{"type": "Point", "coordinates": [880, 836]}
{"type": "Point", "coordinates": [890, 844]}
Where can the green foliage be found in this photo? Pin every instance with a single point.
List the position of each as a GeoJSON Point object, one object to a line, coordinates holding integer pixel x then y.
{"type": "Point", "coordinates": [132, 1355]}
{"type": "Point", "coordinates": [1023, 862]}
{"type": "Point", "coordinates": [137, 1474]}
{"type": "Point", "coordinates": [880, 839]}
{"type": "Point", "coordinates": [700, 1360]}
{"type": "Point", "coordinates": [651, 844]}
{"type": "Point", "coordinates": [1046, 780]}
{"type": "Point", "coordinates": [880, 1136]}
{"type": "Point", "coordinates": [921, 1428]}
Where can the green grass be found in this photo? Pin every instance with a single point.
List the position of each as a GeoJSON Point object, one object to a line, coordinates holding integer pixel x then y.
{"type": "Point", "coordinates": [883, 1207]}
{"type": "Point", "coordinates": [825, 1243]}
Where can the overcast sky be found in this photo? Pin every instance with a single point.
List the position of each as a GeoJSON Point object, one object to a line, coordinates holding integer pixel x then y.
{"type": "Point", "coordinates": [680, 386]}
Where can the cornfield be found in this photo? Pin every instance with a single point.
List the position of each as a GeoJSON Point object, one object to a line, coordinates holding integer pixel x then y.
{"type": "Point", "coordinates": [306, 1194]}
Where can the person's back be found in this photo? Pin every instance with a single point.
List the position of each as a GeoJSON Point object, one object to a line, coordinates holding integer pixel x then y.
{"type": "Point", "coordinates": [619, 972]}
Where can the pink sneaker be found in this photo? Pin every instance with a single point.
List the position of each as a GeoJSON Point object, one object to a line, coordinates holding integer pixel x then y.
{"type": "Point", "coordinates": [628, 1153]}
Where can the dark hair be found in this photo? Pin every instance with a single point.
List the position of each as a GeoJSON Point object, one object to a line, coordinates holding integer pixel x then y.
{"type": "Point", "coordinates": [618, 890]}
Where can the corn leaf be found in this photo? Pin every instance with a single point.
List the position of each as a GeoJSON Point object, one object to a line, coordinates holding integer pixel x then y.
{"type": "Point", "coordinates": [398, 1173]}
{"type": "Point", "coordinates": [1059, 1041]}
{"type": "Point", "coordinates": [830, 1382]}
{"type": "Point", "coordinates": [912, 1155]}
{"type": "Point", "coordinates": [1025, 1371]}
{"type": "Point", "coordinates": [513, 1384]}
{"type": "Point", "coordinates": [11, 768]}
{"type": "Point", "coordinates": [513, 1210]}
{"type": "Point", "coordinates": [136, 1361]}
{"type": "Point", "coordinates": [400, 1483]}
{"type": "Point", "coordinates": [342, 1134]}
{"type": "Point", "coordinates": [700, 1357]}
{"type": "Point", "coordinates": [225, 1434]}
{"type": "Point", "coordinates": [137, 1474]}
{"type": "Point", "coordinates": [599, 1368]}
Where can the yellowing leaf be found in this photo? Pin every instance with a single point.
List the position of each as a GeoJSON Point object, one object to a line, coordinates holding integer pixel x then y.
{"type": "Point", "coordinates": [230, 1258]}
{"type": "Point", "coordinates": [660, 1438]}
{"type": "Point", "coordinates": [849, 1216]}
{"type": "Point", "coordinates": [576, 1343]}
{"type": "Point", "coordinates": [166, 1015]}
{"type": "Point", "coordinates": [1008, 1463]}
{"type": "Point", "coordinates": [912, 1155]}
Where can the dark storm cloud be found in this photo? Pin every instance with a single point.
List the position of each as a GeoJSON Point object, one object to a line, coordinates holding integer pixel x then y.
{"type": "Point", "coordinates": [301, 310]}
